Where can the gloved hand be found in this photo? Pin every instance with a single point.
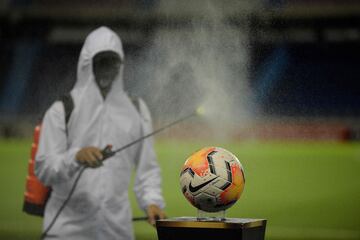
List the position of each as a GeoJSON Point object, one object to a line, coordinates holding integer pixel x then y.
{"type": "Point", "coordinates": [154, 213]}
{"type": "Point", "coordinates": [90, 157]}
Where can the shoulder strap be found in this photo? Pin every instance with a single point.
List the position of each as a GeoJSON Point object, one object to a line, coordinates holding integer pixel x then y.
{"type": "Point", "coordinates": [136, 102]}
{"type": "Point", "coordinates": [68, 103]}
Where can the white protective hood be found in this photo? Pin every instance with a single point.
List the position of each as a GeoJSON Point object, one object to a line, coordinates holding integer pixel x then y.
{"type": "Point", "coordinates": [99, 207]}
{"type": "Point", "coordinates": [100, 40]}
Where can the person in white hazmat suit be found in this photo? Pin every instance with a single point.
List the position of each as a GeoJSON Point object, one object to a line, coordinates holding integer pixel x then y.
{"type": "Point", "coordinates": [103, 114]}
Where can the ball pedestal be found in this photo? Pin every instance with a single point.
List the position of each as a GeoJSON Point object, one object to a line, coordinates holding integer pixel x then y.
{"type": "Point", "coordinates": [192, 228]}
{"type": "Point", "coordinates": [211, 216]}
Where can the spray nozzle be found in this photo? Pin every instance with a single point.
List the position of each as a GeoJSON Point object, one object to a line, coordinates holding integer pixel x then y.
{"type": "Point", "coordinates": [200, 111]}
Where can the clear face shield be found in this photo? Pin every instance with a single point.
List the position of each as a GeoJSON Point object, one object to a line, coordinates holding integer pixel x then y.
{"type": "Point", "coordinates": [106, 67]}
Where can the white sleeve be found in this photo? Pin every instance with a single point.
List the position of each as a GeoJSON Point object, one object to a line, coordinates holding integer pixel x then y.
{"type": "Point", "coordinates": [54, 162]}
{"type": "Point", "coordinates": [147, 185]}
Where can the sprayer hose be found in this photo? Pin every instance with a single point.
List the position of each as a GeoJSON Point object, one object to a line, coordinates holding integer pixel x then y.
{"type": "Point", "coordinates": [44, 234]}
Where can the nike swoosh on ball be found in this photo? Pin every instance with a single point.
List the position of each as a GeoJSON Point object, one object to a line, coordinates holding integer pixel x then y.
{"type": "Point", "coordinates": [196, 188]}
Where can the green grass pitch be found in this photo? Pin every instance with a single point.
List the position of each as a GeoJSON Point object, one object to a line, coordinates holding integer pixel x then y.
{"type": "Point", "coordinates": [306, 190]}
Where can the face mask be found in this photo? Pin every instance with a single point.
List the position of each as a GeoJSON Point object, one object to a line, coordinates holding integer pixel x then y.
{"type": "Point", "coordinates": [106, 67]}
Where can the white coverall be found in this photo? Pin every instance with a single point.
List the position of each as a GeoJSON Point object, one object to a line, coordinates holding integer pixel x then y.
{"type": "Point", "coordinates": [99, 207]}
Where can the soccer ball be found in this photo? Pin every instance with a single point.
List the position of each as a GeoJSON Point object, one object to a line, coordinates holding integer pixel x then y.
{"type": "Point", "coordinates": [212, 179]}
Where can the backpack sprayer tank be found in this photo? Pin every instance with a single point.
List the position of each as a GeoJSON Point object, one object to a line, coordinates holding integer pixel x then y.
{"type": "Point", "coordinates": [36, 194]}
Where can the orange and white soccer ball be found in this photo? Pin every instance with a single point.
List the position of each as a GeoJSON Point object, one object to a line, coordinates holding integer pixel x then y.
{"type": "Point", "coordinates": [212, 179]}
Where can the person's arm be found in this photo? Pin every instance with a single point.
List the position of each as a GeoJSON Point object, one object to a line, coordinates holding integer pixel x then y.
{"type": "Point", "coordinates": [54, 161]}
{"type": "Point", "coordinates": [148, 177]}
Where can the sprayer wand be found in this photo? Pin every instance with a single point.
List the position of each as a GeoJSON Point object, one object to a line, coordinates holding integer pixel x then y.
{"type": "Point", "coordinates": [107, 152]}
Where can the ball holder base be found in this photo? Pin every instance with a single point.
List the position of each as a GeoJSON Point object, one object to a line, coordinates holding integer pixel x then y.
{"type": "Point", "coordinates": [190, 228]}
{"type": "Point", "coordinates": [211, 216]}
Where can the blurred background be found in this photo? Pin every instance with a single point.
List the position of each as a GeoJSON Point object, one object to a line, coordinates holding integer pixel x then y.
{"type": "Point", "coordinates": [278, 78]}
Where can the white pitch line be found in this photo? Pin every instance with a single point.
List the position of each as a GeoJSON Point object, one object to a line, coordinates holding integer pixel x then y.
{"type": "Point", "coordinates": [311, 233]}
